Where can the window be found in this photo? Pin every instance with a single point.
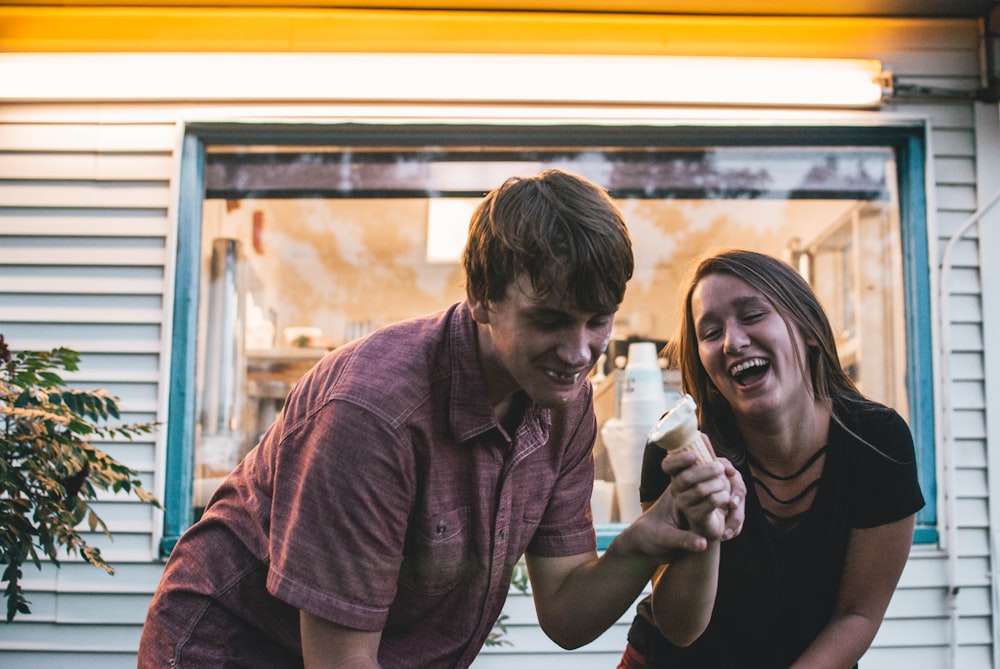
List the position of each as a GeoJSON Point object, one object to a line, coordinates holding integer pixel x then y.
{"type": "Point", "coordinates": [320, 235]}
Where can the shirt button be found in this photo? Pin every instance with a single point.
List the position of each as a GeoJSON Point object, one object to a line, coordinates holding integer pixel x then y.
{"type": "Point", "coordinates": [441, 527]}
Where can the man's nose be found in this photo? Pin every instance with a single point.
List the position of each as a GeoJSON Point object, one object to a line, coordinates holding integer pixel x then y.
{"type": "Point", "coordinates": [577, 347]}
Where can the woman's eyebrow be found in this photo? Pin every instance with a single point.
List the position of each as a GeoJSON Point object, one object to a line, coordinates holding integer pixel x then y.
{"type": "Point", "coordinates": [739, 302]}
{"type": "Point", "coordinates": [748, 300]}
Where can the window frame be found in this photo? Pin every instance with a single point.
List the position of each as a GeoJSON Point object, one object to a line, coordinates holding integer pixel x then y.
{"type": "Point", "coordinates": [907, 141]}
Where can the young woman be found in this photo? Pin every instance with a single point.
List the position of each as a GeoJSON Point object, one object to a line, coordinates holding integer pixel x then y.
{"type": "Point", "coordinates": [831, 478]}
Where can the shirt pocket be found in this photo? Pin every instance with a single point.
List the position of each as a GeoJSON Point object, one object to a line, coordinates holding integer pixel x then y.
{"type": "Point", "coordinates": [437, 554]}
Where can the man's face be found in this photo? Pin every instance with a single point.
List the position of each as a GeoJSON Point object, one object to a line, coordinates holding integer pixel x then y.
{"type": "Point", "coordinates": [541, 345]}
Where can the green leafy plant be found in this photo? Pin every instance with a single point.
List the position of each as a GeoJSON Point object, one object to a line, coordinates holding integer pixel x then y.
{"type": "Point", "coordinates": [49, 469]}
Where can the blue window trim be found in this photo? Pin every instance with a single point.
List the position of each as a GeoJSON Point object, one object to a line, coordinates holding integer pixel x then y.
{"type": "Point", "coordinates": [179, 478]}
{"type": "Point", "coordinates": [911, 159]}
{"type": "Point", "coordinates": [908, 143]}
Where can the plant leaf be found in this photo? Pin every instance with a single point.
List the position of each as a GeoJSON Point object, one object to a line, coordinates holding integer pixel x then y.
{"type": "Point", "coordinates": [49, 468]}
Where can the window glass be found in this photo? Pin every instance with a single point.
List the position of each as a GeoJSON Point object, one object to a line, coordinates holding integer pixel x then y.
{"type": "Point", "coordinates": [304, 249]}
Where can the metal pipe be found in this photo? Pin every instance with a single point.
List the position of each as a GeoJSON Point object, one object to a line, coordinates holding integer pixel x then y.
{"type": "Point", "coordinates": [951, 530]}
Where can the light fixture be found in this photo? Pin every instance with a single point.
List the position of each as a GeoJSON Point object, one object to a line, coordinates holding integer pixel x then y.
{"type": "Point", "coordinates": [479, 78]}
{"type": "Point", "coordinates": [774, 81]}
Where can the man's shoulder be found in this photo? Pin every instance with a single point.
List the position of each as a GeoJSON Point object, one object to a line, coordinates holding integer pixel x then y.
{"type": "Point", "coordinates": [411, 346]}
{"type": "Point", "coordinates": [399, 361]}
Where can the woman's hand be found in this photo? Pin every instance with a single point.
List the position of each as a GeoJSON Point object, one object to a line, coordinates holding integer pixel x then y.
{"type": "Point", "coordinates": [701, 493]}
{"type": "Point", "coordinates": [709, 497]}
{"type": "Point", "coordinates": [736, 511]}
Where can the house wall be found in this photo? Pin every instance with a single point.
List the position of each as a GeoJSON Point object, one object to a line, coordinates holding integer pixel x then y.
{"type": "Point", "coordinates": [988, 200]}
{"type": "Point", "coordinates": [88, 216]}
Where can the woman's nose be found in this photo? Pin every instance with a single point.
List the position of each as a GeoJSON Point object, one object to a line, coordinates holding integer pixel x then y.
{"type": "Point", "coordinates": [735, 339]}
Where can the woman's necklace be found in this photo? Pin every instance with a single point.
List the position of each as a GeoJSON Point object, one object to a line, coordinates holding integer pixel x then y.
{"type": "Point", "coordinates": [794, 497]}
{"type": "Point", "coordinates": [809, 463]}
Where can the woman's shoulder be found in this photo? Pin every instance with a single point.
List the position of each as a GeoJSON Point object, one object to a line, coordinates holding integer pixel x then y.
{"type": "Point", "coordinates": [865, 415]}
{"type": "Point", "coordinates": [879, 463]}
{"type": "Point", "coordinates": [875, 427]}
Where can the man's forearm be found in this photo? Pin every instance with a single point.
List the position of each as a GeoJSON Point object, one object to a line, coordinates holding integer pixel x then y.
{"type": "Point", "coordinates": [595, 594]}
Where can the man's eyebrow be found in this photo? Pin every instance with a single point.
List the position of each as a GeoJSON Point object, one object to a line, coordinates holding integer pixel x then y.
{"type": "Point", "coordinates": [542, 310]}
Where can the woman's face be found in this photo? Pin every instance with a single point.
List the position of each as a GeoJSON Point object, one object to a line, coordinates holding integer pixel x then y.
{"type": "Point", "coordinates": [745, 346]}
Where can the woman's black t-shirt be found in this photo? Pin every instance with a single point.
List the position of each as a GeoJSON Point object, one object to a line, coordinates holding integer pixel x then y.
{"type": "Point", "coordinates": [777, 589]}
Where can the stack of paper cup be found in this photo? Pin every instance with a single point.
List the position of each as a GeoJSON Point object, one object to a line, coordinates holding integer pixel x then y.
{"type": "Point", "coordinates": [625, 445]}
{"type": "Point", "coordinates": [602, 501]}
{"type": "Point", "coordinates": [643, 401]}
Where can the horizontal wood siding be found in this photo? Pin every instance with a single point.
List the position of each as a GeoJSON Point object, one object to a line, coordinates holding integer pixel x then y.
{"type": "Point", "coordinates": [86, 227]}
{"type": "Point", "coordinates": [953, 198]}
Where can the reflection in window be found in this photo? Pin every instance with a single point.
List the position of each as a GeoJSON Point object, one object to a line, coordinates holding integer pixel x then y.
{"type": "Point", "coordinates": [328, 244]}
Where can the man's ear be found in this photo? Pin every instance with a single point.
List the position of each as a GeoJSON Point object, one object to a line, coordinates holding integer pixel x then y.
{"type": "Point", "coordinates": [480, 310]}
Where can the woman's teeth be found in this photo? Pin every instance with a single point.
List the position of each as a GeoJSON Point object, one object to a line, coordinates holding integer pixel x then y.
{"type": "Point", "coordinates": [754, 364]}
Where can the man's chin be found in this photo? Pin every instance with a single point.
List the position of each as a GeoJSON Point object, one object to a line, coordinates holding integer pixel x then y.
{"type": "Point", "coordinates": [558, 398]}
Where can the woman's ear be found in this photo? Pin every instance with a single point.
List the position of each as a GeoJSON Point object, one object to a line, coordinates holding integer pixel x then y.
{"type": "Point", "coordinates": [478, 306]}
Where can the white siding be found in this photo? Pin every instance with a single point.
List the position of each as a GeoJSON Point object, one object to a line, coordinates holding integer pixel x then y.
{"type": "Point", "coordinates": [988, 227]}
{"type": "Point", "coordinates": [87, 224]}
{"type": "Point", "coordinates": [953, 198]}
{"type": "Point", "coordinates": [85, 218]}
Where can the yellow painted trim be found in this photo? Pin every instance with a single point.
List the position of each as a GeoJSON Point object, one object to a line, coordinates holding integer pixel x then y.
{"type": "Point", "coordinates": [34, 29]}
{"type": "Point", "coordinates": [614, 6]}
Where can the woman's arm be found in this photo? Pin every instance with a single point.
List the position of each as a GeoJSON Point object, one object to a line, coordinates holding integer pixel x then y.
{"type": "Point", "coordinates": [684, 595]}
{"type": "Point", "coordinates": [875, 560]}
{"type": "Point", "coordinates": [684, 590]}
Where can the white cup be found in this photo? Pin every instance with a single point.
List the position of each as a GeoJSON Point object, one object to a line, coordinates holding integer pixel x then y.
{"type": "Point", "coordinates": [642, 400]}
{"type": "Point", "coordinates": [602, 501]}
{"type": "Point", "coordinates": [627, 494]}
{"type": "Point", "coordinates": [625, 445]}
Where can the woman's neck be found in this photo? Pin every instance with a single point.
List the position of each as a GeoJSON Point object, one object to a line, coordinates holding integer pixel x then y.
{"type": "Point", "coordinates": [784, 444]}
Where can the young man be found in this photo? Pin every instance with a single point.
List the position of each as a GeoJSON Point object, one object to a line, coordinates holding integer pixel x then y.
{"type": "Point", "coordinates": [378, 522]}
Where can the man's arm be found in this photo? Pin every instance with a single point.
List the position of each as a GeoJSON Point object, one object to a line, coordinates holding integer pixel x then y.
{"type": "Point", "coordinates": [579, 597]}
{"type": "Point", "coordinates": [326, 645]}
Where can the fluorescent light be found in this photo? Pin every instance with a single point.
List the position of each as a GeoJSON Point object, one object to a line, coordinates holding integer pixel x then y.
{"type": "Point", "coordinates": [664, 80]}
{"type": "Point", "coordinates": [448, 228]}
{"type": "Point", "coordinates": [769, 81]}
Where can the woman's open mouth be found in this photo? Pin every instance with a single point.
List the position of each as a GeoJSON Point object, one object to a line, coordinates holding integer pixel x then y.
{"type": "Point", "coordinates": [748, 371]}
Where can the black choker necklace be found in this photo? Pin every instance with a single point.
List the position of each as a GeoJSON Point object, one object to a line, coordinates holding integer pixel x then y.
{"type": "Point", "coordinates": [756, 464]}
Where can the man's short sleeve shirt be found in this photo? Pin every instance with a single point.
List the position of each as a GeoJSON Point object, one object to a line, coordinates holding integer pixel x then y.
{"type": "Point", "coordinates": [387, 497]}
